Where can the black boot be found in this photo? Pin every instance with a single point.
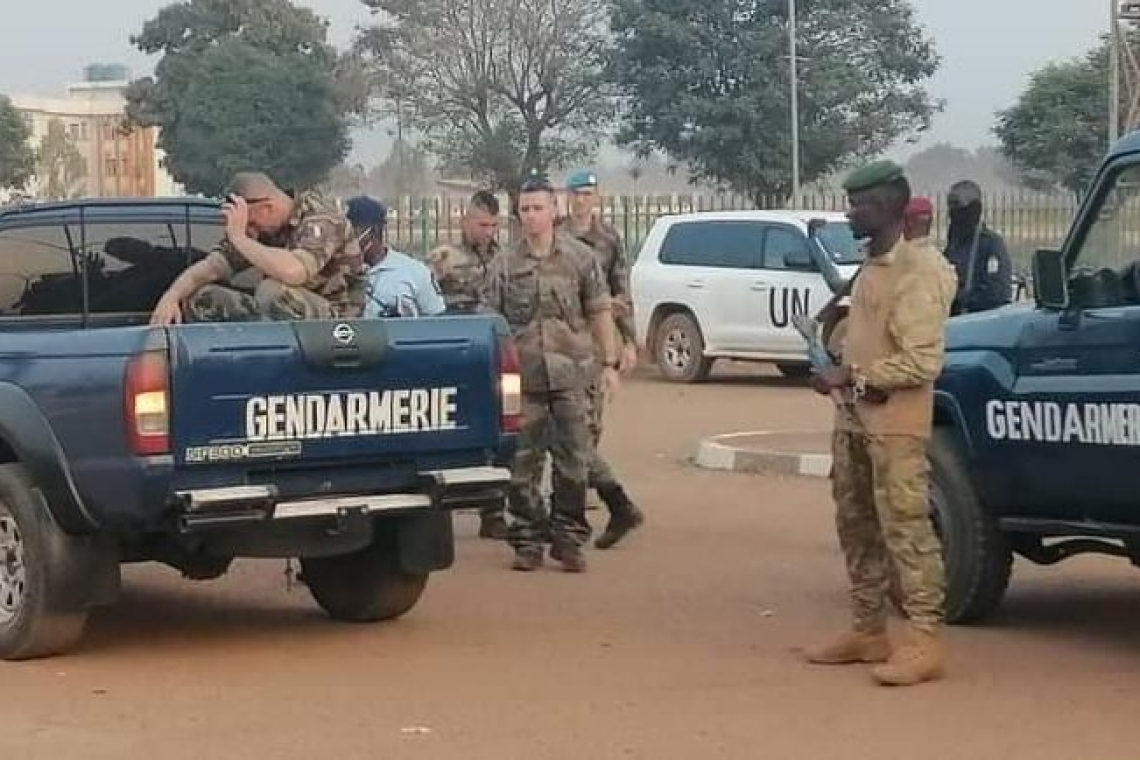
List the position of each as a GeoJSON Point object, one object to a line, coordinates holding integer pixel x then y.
{"type": "Point", "coordinates": [624, 515]}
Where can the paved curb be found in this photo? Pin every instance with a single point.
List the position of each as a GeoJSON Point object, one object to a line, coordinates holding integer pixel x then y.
{"type": "Point", "coordinates": [719, 453]}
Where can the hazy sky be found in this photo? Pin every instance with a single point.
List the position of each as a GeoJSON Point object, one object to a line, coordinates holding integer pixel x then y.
{"type": "Point", "coordinates": [988, 47]}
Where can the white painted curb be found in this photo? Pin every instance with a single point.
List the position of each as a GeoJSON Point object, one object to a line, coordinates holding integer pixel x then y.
{"type": "Point", "coordinates": [718, 453]}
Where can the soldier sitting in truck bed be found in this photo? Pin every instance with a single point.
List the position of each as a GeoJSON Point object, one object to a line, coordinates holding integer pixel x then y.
{"type": "Point", "coordinates": [303, 246]}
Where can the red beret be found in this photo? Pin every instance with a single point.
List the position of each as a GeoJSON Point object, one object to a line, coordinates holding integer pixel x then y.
{"type": "Point", "coordinates": [920, 207]}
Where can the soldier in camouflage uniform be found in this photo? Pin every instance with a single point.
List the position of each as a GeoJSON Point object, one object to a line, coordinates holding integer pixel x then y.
{"type": "Point", "coordinates": [304, 261]}
{"type": "Point", "coordinates": [892, 354]}
{"type": "Point", "coordinates": [584, 224]}
{"type": "Point", "coordinates": [461, 271]}
{"type": "Point", "coordinates": [550, 289]}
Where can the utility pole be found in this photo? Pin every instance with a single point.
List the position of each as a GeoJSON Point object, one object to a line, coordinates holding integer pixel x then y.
{"type": "Point", "coordinates": [1114, 73]}
{"type": "Point", "coordinates": [794, 76]}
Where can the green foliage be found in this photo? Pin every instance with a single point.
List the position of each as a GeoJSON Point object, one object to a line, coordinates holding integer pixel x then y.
{"type": "Point", "coordinates": [245, 84]}
{"type": "Point", "coordinates": [1056, 133]}
{"type": "Point", "coordinates": [17, 158]}
{"type": "Point", "coordinates": [494, 88]}
{"type": "Point", "coordinates": [708, 82]}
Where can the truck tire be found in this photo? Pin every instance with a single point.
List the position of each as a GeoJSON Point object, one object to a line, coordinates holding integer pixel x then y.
{"type": "Point", "coordinates": [366, 586]}
{"type": "Point", "coordinates": [36, 619]}
{"type": "Point", "coordinates": [977, 555]}
{"type": "Point", "coordinates": [679, 350]}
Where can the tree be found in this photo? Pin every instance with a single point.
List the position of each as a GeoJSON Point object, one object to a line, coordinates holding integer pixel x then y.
{"type": "Point", "coordinates": [707, 82]}
{"type": "Point", "coordinates": [1055, 134]}
{"type": "Point", "coordinates": [494, 86]}
{"type": "Point", "coordinates": [406, 171]}
{"type": "Point", "coordinates": [17, 159]}
{"type": "Point", "coordinates": [936, 168]}
{"type": "Point", "coordinates": [60, 167]}
{"type": "Point", "coordinates": [245, 84]}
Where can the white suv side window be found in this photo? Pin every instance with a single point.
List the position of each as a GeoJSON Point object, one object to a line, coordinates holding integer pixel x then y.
{"type": "Point", "coordinates": [724, 244]}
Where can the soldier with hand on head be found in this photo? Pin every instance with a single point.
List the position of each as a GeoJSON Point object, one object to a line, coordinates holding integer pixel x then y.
{"type": "Point", "coordinates": [550, 289]}
{"type": "Point", "coordinates": [302, 247]}
{"type": "Point", "coordinates": [892, 354]}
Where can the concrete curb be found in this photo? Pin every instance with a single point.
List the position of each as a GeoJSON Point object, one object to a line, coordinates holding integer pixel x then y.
{"type": "Point", "coordinates": [719, 453]}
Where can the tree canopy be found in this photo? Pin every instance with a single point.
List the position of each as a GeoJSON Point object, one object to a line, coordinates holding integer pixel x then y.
{"type": "Point", "coordinates": [245, 84]}
{"type": "Point", "coordinates": [708, 82]}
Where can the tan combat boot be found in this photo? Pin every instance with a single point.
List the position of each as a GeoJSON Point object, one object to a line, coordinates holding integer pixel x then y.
{"type": "Point", "coordinates": [851, 648]}
{"type": "Point", "coordinates": [919, 658]}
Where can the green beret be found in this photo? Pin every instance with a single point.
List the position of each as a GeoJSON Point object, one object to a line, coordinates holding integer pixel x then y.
{"type": "Point", "coordinates": [581, 179]}
{"type": "Point", "coordinates": [872, 175]}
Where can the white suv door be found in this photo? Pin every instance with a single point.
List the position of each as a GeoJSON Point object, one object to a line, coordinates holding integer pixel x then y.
{"type": "Point", "coordinates": [797, 288]}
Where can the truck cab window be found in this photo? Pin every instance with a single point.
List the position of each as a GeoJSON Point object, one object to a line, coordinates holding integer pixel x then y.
{"type": "Point", "coordinates": [1103, 271]}
{"type": "Point", "coordinates": [130, 265]}
{"type": "Point", "coordinates": [38, 276]}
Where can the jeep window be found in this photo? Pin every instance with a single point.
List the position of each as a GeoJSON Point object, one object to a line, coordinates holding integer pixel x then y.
{"type": "Point", "coordinates": [783, 244]}
{"type": "Point", "coordinates": [204, 237]}
{"type": "Point", "coordinates": [727, 244]}
{"type": "Point", "coordinates": [838, 240]}
{"type": "Point", "coordinates": [1113, 238]}
{"type": "Point", "coordinates": [38, 275]}
{"type": "Point", "coordinates": [130, 265]}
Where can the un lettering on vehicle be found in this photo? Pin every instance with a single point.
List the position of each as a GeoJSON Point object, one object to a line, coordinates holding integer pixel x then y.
{"type": "Point", "coordinates": [786, 301]}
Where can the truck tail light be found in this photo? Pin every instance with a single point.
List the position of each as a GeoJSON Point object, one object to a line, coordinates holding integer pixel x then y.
{"type": "Point", "coordinates": [510, 386]}
{"type": "Point", "coordinates": [147, 403]}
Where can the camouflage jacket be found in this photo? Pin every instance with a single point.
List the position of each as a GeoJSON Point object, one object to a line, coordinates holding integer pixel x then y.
{"type": "Point", "coordinates": [461, 271]}
{"type": "Point", "coordinates": [894, 340]}
{"type": "Point", "coordinates": [322, 239]}
{"type": "Point", "coordinates": [606, 243]}
{"type": "Point", "coordinates": [547, 301]}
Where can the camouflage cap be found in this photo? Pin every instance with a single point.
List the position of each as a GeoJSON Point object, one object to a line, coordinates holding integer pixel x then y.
{"type": "Point", "coordinates": [872, 175]}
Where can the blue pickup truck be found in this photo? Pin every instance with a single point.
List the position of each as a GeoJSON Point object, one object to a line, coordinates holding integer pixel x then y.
{"type": "Point", "coordinates": [1036, 448]}
{"type": "Point", "coordinates": [345, 444]}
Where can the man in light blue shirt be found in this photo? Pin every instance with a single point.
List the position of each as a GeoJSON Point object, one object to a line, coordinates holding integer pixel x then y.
{"type": "Point", "coordinates": [399, 286]}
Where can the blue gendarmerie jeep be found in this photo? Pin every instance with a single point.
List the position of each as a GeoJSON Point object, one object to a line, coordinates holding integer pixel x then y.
{"type": "Point", "coordinates": [1036, 447]}
{"type": "Point", "coordinates": [347, 444]}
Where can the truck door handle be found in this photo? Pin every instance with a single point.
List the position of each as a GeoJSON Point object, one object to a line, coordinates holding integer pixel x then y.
{"type": "Point", "coordinates": [695, 284]}
{"type": "Point", "coordinates": [1054, 364]}
{"type": "Point", "coordinates": [760, 286]}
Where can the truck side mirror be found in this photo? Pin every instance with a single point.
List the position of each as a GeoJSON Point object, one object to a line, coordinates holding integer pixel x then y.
{"type": "Point", "coordinates": [1050, 280]}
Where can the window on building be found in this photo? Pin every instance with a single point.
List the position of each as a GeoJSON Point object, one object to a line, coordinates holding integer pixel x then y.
{"type": "Point", "coordinates": [38, 275]}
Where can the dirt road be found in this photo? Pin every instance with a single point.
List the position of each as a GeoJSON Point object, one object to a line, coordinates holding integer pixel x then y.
{"type": "Point", "coordinates": [680, 645]}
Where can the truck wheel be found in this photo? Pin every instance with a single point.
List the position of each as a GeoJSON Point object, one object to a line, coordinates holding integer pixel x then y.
{"type": "Point", "coordinates": [679, 350]}
{"type": "Point", "coordinates": [977, 555]}
{"type": "Point", "coordinates": [34, 619]}
{"type": "Point", "coordinates": [366, 586]}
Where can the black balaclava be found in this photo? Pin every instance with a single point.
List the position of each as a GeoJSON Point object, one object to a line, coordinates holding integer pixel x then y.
{"type": "Point", "coordinates": [965, 206]}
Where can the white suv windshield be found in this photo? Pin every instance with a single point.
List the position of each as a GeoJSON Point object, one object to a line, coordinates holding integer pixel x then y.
{"type": "Point", "coordinates": [838, 240]}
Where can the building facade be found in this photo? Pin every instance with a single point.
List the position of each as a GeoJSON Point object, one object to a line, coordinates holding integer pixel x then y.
{"type": "Point", "coordinates": [116, 162]}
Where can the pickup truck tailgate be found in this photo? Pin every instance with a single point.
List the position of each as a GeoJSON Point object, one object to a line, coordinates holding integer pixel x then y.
{"type": "Point", "coordinates": [313, 392]}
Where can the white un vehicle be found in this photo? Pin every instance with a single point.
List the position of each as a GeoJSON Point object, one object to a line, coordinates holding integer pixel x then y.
{"type": "Point", "coordinates": [725, 285]}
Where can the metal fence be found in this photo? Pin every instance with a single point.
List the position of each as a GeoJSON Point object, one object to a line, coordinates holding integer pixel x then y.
{"type": "Point", "coordinates": [1027, 221]}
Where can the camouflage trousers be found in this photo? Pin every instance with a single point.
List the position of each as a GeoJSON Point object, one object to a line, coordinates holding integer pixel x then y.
{"type": "Point", "coordinates": [598, 471]}
{"type": "Point", "coordinates": [554, 421]}
{"type": "Point", "coordinates": [271, 300]}
{"type": "Point", "coordinates": [881, 489]}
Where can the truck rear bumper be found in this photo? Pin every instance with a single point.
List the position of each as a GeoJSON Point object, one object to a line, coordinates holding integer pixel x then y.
{"type": "Point", "coordinates": [438, 490]}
